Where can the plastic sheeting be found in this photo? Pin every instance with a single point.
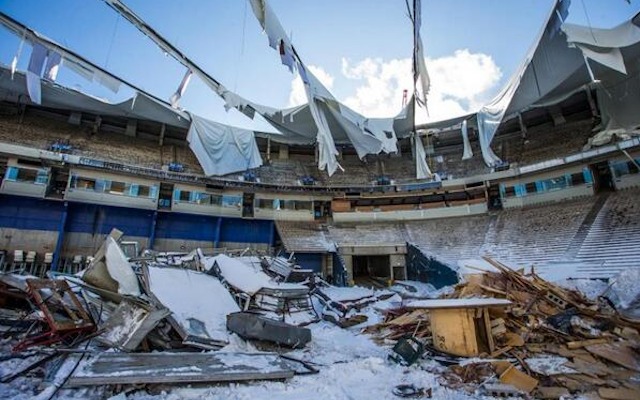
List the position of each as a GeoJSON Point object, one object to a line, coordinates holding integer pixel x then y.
{"type": "Point", "coordinates": [36, 63]}
{"type": "Point", "coordinates": [222, 149]}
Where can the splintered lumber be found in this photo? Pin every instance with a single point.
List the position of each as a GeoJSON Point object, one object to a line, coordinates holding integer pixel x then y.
{"type": "Point", "coordinates": [143, 368]}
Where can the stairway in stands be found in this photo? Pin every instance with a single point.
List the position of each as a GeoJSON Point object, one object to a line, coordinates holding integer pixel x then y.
{"type": "Point", "coordinates": [613, 240]}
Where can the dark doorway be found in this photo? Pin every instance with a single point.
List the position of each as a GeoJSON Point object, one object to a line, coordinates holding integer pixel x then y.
{"type": "Point", "coordinates": [602, 177]}
{"type": "Point", "coordinates": [495, 201]}
{"type": "Point", "coordinates": [247, 205]}
{"type": "Point", "coordinates": [321, 210]}
{"type": "Point", "coordinates": [371, 271]}
{"type": "Point", "coordinates": [165, 197]}
{"type": "Point", "coordinates": [58, 183]}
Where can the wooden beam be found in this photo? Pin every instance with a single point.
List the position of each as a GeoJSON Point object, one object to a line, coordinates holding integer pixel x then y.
{"type": "Point", "coordinates": [144, 368]}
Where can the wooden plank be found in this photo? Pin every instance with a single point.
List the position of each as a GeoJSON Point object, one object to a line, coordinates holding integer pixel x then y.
{"type": "Point", "coordinates": [519, 379]}
{"type": "Point", "coordinates": [454, 332]}
{"type": "Point", "coordinates": [618, 353]}
{"type": "Point", "coordinates": [583, 343]}
{"type": "Point", "coordinates": [619, 394]}
{"type": "Point", "coordinates": [136, 368]}
{"type": "Point", "coordinates": [458, 303]}
{"type": "Point", "coordinates": [552, 392]}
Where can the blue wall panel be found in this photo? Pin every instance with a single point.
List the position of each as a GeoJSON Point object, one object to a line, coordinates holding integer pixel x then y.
{"type": "Point", "coordinates": [28, 213]}
{"type": "Point", "coordinates": [186, 226]}
{"type": "Point", "coordinates": [309, 261]}
{"type": "Point", "coordinates": [246, 231]}
{"type": "Point", "coordinates": [99, 219]}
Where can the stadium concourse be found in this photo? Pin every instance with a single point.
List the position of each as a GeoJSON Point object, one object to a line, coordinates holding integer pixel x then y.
{"type": "Point", "coordinates": [149, 253]}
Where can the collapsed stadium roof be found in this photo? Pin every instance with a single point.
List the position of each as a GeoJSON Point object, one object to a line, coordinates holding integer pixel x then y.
{"type": "Point", "coordinates": [559, 64]}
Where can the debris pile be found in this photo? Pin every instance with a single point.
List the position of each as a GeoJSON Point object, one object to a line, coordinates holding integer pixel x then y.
{"type": "Point", "coordinates": [509, 334]}
{"type": "Point", "coordinates": [170, 314]}
{"type": "Point", "coordinates": [161, 320]}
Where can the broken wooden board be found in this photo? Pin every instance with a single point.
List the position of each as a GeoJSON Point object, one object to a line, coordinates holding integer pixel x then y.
{"type": "Point", "coordinates": [618, 353]}
{"type": "Point", "coordinates": [143, 368]}
{"type": "Point", "coordinates": [130, 323]}
{"type": "Point", "coordinates": [517, 378]}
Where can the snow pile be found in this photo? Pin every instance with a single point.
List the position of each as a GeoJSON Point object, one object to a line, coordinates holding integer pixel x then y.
{"type": "Point", "coordinates": [625, 292]}
{"type": "Point", "coordinates": [206, 300]}
{"type": "Point", "coordinates": [589, 288]}
{"type": "Point", "coordinates": [246, 277]}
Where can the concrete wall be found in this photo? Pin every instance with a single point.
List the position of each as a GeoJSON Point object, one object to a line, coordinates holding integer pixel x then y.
{"type": "Point", "coordinates": [23, 189]}
{"type": "Point", "coordinates": [86, 244]}
{"type": "Point", "coordinates": [548, 197]}
{"type": "Point", "coordinates": [404, 215]}
{"type": "Point", "coordinates": [28, 240]}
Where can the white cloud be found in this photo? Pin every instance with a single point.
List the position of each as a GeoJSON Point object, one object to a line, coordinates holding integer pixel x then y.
{"type": "Point", "coordinates": [297, 96]}
{"type": "Point", "coordinates": [459, 84]}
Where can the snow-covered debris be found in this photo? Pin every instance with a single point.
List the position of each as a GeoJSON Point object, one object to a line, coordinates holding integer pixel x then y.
{"type": "Point", "coordinates": [194, 296]}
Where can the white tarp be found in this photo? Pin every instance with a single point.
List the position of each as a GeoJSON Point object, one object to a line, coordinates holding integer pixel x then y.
{"type": "Point", "coordinates": [222, 149]}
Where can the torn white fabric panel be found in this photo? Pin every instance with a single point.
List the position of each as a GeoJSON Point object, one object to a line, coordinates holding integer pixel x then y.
{"type": "Point", "coordinates": [79, 68]}
{"type": "Point", "coordinates": [107, 81]}
{"type": "Point", "coordinates": [222, 149]}
{"type": "Point", "coordinates": [327, 152]}
{"type": "Point", "coordinates": [611, 58]}
{"type": "Point", "coordinates": [420, 67]}
{"type": "Point", "coordinates": [490, 116]}
{"type": "Point", "coordinates": [14, 62]}
{"type": "Point", "coordinates": [270, 23]}
{"type": "Point", "coordinates": [181, 88]}
{"type": "Point", "coordinates": [363, 140]}
{"type": "Point", "coordinates": [467, 153]}
{"type": "Point", "coordinates": [422, 168]}
{"type": "Point", "coordinates": [488, 123]}
{"type": "Point", "coordinates": [624, 35]}
{"type": "Point", "coordinates": [33, 87]}
{"type": "Point", "coordinates": [34, 70]}
{"type": "Point", "coordinates": [120, 269]}
{"type": "Point", "coordinates": [52, 66]}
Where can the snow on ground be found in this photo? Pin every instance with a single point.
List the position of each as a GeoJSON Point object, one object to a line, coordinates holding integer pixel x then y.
{"type": "Point", "coordinates": [351, 366]}
{"type": "Point", "coordinates": [590, 288]}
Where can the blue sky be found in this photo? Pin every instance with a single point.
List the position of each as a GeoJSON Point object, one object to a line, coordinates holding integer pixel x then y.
{"type": "Point", "coordinates": [359, 48]}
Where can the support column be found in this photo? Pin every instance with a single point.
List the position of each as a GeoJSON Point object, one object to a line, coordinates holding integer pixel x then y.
{"type": "Point", "coordinates": [216, 238]}
{"type": "Point", "coordinates": [60, 241]}
{"type": "Point", "coordinates": [348, 266]}
{"type": "Point", "coordinates": [272, 235]}
{"type": "Point", "coordinates": [152, 230]}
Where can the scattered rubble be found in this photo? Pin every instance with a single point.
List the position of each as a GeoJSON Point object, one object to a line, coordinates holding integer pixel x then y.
{"type": "Point", "coordinates": [173, 319]}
